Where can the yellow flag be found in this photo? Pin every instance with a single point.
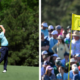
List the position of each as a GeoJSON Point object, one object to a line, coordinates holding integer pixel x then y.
{"type": "Point", "coordinates": [75, 22]}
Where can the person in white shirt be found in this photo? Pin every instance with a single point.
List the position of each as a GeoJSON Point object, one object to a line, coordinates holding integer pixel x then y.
{"type": "Point", "coordinates": [75, 46]}
{"type": "Point", "coordinates": [50, 29]}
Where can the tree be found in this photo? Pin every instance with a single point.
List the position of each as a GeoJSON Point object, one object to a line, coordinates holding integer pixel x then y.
{"type": "Point", "coordinates": [21, 24]}
{"type": "Point", "coordinates": [57, 12]}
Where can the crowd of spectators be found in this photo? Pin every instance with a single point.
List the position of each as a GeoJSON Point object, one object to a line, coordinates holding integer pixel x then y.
{"type": "Point", "coordinates": [55, 52]}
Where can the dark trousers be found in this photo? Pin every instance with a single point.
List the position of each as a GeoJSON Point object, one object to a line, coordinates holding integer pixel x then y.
{"type": "Point", "coordinates": [4, 56]}
{"type": "Point", "coordinates": [50, 53]}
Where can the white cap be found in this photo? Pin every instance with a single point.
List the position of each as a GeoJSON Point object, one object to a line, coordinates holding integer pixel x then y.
{"type": "Point", "coordinates": [55, 55]}
{"type": "Point", "coordinates": [75, 69]}
{"type": "Point", "coordinates": [72, 60]}
{"type": "Point", "coordinates": [54, 32]}
{"type": "Point", "coordinates": [44, 52]}
{"type": "Point", "coordinates": [44, 24]}
{"type": "Point", "coordinates": [50, 27]}
{"type": "Point", "coordinates": [74, 65]}
{"type": "Point", "coordinates": [58, 58]}
{"type": "Point", "coordinates": [77, 55]}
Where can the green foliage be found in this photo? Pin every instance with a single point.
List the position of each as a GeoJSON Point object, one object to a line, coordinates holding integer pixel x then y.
{"type": "Point", "coordinates": [21, 24]}
{"type": "Point", "coordinates": [59, 11]}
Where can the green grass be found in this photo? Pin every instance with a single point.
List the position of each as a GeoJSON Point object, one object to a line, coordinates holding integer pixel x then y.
{"type": "Point", "coordinates": [19, 73]}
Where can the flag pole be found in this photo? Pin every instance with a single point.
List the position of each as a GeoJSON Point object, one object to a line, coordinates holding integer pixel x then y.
{"type": "Point", "coordinates": [70, 53]}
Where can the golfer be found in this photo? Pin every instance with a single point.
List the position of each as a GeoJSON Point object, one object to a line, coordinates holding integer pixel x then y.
{"type": "Point", "coordinates": [4, 48]}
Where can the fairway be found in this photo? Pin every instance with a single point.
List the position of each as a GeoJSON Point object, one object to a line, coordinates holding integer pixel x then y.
{"type": "Point", "coordinates": [19, 73]}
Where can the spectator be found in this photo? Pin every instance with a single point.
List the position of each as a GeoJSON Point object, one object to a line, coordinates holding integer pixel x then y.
{"type": "Point", "coordinates": [68, 28]}
{"type": "Point", "coordinates": [79, 68]}
{"type": "Point", "coordinates": [64, 34]}
{"type": "Point", "coordinates": [53, 41]}
{"type": "Point", "coordinates": [44, 29]}
{"type": "Point", "coordinates": [62, 29]}
{"type": "Point", "coordinates": [76, 76]}
{"type": "Point", "coordinates": [58, 29]}
{"type": "Point", "coordinates": [44, 43]}
{"type": "Point", "coordinates": [53, 58]}
{"type": "Point", "coordinates": [48, 74]}
{"type": "Point", "coordinates": [72, 61]}
{"type": "Point", "coordinates": [67, 39]}
{"type": "Point", "coordinates": [61, 47]}
{"type": "Point", "coordinates": [63, 75]}
{"type": "Point", "coordinates": [77, 58]}
{"type": "Point", "coordinates": [50, 29]}
{"type": "Point", "coordinates": [66, 59]}
{"type": "Point", "coordinates": [71, 71]}
{"type": "Point", "coordinates": [75, 47]}
{"type": "Point", "coordinates": [43, 68]}
{"type": "Point", "coordinates": [57, 65]}
{"type": "Point", "coordinates": [44, 56]}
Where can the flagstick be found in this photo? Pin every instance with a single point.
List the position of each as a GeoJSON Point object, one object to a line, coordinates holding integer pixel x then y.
{"type": "Point", "coordinates": [70, 53]}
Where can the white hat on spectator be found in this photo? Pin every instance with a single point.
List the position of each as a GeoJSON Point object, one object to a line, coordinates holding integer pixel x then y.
{"type": "Point", "coordinates": [44, 24]}
{"type": "Point", "coordinates": [50, 27]}
{"type": "Point", "coordinates": [54, 32]}
{"type": "Point", "coordinates": [55, 55]}
{"type": "Point", "coordinates": [76, 33]}
{"type": "Point", "coordinates": [74, 65]}
{"type": "Point", "coordinates": [72, 60]}
{"type": "Point", "coordinates": [44, 52]}
{"type": "Point", "coordinates": [58, 58]}
{"type": "Point", "coordinates": [75, 69]}
{"type": "Point", "coordinates": [77, 55]}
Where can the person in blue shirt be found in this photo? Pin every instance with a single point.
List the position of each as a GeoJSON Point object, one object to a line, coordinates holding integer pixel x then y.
{"type": "Point", "coordinates": [66, 59]}
{"type": "Point", "coordinates": [53, 40]}
{"type": "Point", "coordinates": [4, 48]}
{"type": "Point", "coordinates": [76, 74]}
{"type": "Point", "coordinates": [50, 29]}
{"type": "Point", "coordinates": [71, 74]}
{"type": "Point", "coordinates": [63, 74]}
{"type": "Point", "coordinates": [44, 29]}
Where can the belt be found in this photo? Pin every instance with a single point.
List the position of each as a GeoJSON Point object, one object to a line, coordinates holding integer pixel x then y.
{"type": "Point", "coordinates": [4, 46]}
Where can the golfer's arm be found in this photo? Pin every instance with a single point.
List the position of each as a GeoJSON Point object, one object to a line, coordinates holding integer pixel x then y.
{"type": "Point", "coordinates": [2, 28]}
